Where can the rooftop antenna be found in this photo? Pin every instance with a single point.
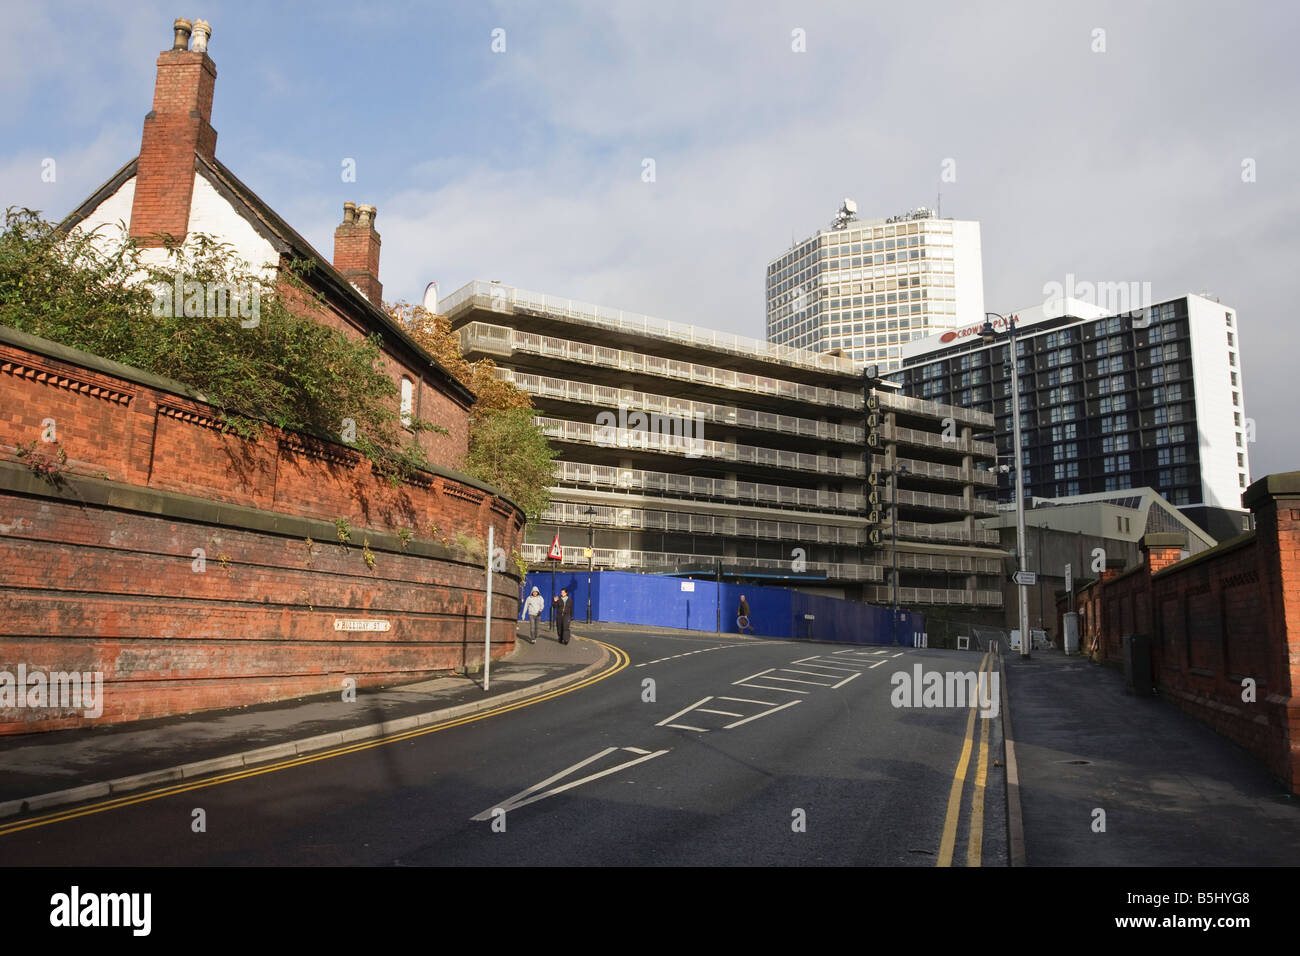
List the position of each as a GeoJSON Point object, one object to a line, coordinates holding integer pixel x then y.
{"type": "Point", "coordinates": [848, 213]}
{"type": "Point", "coordinates": [938, 205]}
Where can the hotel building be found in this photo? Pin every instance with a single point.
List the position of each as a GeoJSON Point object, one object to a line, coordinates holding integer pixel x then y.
{"type": "Point", "coordinates": [1109, 402]}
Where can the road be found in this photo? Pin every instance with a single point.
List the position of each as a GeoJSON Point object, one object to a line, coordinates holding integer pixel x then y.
{"type": "Point", "coordinates": [694, 750]}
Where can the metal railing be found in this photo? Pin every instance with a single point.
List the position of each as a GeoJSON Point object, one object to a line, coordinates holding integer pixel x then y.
{"type": "Point", "coordinates": [919, 406]}
{"type": "Point", "coordinates": [669, 483]}
{"type": "Point", "coordinates": [910, 596]}
{"type": "Point", "coordinates": [504, 298]}
{"type": "Point", "coordinates": [638, 519]}
{"type": "Point", "coordinates": [674, 443]}
{"type": "Point", "coordinates": [622, 398]}
{"type": "Point", "coordinates": [502, 341]}
{"type": "Point", "coordinates": [912, 436]}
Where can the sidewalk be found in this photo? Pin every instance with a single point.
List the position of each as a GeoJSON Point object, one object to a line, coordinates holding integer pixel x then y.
{"type": "Point", "coordinates": [1174, 792]}
{"type": "Point", "coordinates": [40, 768]}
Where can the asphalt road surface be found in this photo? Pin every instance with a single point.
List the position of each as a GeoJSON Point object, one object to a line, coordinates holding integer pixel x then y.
{"type": "Point", "coordinates": [693, 751]}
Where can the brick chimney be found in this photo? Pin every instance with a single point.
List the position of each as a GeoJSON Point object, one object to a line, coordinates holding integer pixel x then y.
{"type": "Point", "coordinates": [175, 129]}
{"type": "Point", "coordinates": [1163, 548]}
{"type": "Point", "coordinates": [356, 251]}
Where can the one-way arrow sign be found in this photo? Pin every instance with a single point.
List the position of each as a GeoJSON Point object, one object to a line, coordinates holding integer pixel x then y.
{"type": "Point", "coordinates": [1025, 577]}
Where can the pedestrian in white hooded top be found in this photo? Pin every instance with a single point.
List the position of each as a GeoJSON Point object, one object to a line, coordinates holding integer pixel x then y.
{"type": "Point", "coordinates": [533, 609]}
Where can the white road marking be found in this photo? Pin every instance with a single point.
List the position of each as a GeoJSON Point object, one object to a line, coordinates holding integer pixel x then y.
{"type": "Point", "coordinates": [845, 681]}
{"type": "Point", "coordinates": [795, 680]}
{"type": "Point", "coordinates": [765, 713]}
{"type": "Point", "coordinates": [838, 667]}
{"type": "Point", "coordinates": [803, 659]}
{"type": "Point", "coordinates": [636, 750]}
{"type": "Point", "coordinates": [687, 727]}
{"type": "Point", "coordinates": [899, 654]}
{"type": "Point", "coordinates": [752, 676]}
{"type": "Point", "coordinates": [788, 690]}
{"type": "Point", "coordinates": [794, 670]}
{"type": "Point", "coordinates": [532, 794]}
{"type": "Point", "coordinates": [668, 720]}
{"type": "Point", "coordinates": [746, 700]}
{"type": "Point", "coordinates": [724, 713]}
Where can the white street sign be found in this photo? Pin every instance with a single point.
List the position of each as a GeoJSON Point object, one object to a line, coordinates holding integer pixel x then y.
{"type": "Point", "coordinates": [1025, 577]}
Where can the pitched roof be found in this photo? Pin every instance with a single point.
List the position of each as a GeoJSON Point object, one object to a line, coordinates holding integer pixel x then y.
{"type": "Point", "coordinates": [288, 242]}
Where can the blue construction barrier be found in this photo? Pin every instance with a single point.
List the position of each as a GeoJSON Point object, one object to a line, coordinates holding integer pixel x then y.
{"type": "Point", "coordinates": [621, 597]}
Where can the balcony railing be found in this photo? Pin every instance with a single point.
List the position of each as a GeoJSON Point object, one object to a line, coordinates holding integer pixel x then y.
{"type": "Point", "coordinates": [911, 436]}
{"type": "Point", "coordinates": [690, 486]}
{"type": "Point", "coordinates": [915, 531]}
{"type": "Point", "coordinates": [610, 397]}
{"type": "Point", "coordinates": [933, 469]}
{"type": "Point", "coordinates": [909, 596]}
{"type": "Point", "coordinates": [947, 562]}
{"type": "Point", "coordinates": [637, 519]}
{"type": "Point", "coordinates": [693, 447]}
{"type": "Point", "coordinates": [502, 341]}
{"type": "Point", "coordinates": [900, 402]}
{"type": "Point", "coordinates": [504, 298]}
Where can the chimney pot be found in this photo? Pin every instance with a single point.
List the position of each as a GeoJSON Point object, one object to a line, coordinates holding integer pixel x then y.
{"type": "Point", "coordinates": [202, 31]}
{"type": "Point", "coordinates": [182, 28]}
{"type": "Point", "coordinates": [367, 215]}
{"type": "Point", "coordinates": [349, 212]}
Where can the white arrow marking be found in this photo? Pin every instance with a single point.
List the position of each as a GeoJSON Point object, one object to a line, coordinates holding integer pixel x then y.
{"type": "Point", "coordinates": [538, 792]}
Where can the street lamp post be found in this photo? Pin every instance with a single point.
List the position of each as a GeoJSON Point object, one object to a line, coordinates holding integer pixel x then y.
{"type": "Point", "coordinates": [591, 553]}
{"type": "Point", "coordinates": [989, 335]}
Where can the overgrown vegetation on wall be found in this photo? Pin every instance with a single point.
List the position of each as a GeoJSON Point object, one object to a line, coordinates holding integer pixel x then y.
{"type": "Point", "coordinates": [211, 321]}
{"type": "Point", "coordinates": [505, 448]}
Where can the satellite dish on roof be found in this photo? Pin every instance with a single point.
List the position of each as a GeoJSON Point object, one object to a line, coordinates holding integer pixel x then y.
{"type": "Point", "coordinates": [430, 300]}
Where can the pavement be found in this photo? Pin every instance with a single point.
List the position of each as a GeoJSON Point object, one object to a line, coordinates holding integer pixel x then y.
{"type": "Point", "coordinates": [59, 768]}
{"type": "Point", "coordinates": [1170, 791]}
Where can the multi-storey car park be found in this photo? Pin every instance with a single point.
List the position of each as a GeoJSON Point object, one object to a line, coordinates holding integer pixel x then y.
{"type": "Point", "coordinates": [1109, 402]}
{"type": "Point", "coordinates": [684, 450]}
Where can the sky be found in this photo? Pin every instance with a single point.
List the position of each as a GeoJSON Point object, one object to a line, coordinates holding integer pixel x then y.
{"type": "Point", "coordinates": [1112, 142]}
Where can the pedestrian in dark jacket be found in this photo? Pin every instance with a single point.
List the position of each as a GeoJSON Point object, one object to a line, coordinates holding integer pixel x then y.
{"type": "Point", "coordinates": [563, 613]}
{"type": "Point", "coordinates": [742, 616]}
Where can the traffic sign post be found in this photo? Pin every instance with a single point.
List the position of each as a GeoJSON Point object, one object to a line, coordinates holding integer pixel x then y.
{"type": "Point", "coordinates": [555, 555]}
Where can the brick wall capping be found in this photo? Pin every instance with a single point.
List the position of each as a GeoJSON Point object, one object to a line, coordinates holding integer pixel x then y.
{"type": "Point", "coordinates": [1163, 539]}
{"type": "Point", "coordinates": [17, 478]}
{"type": "Point", "coordinates": [1223, 547]}
{"type": "Point", "coordinates": [64, 353]}
{"type": "Point", "coordinates": [1284, 484]}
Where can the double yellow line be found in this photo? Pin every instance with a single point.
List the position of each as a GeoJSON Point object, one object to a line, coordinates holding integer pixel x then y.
{"type": "Point", "coordinates": [620, 661]}
{"type": "Point", "coordinates": [975, 845]}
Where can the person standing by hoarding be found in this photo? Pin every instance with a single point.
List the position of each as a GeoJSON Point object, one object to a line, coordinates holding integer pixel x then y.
{"type": "Point", "coordinates": [563, 614]}
{"type": "Point", "coordinates": [533, 610]}
{"type": "Point", "coordinates": [742, 616]}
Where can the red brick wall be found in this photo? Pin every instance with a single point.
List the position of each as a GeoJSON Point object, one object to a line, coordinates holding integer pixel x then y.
{"type": "Point", "coordinates": [432, 401]}
{"type": "Point", "coordinates": [98, 574]}
{"type": "Point", "coordinates": [1214, 620]}
{"type": "Point", "coordinates": [177, 128]}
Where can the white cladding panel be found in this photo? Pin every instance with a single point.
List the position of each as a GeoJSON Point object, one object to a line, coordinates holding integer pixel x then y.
{"type": "Point", "coordinates": [1218, 432]}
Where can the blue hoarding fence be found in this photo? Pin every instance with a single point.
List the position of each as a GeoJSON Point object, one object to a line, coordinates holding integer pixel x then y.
{"type": "Point", "coordinates": [622, 597]}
